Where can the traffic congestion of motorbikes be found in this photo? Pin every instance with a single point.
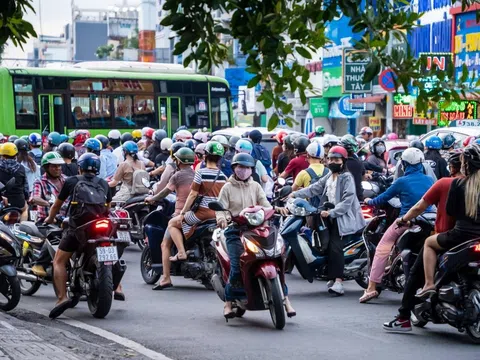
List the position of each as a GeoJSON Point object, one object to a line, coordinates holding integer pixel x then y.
{"type": "Point", "coordinates": [238, 218]}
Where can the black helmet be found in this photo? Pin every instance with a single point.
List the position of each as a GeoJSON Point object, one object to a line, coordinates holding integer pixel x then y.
{"type": "Point", "coordinates": [190, 144]}
{"type": "Point", "coordinates": [300, 144]}
{"type": "Point", "coordinates": [233, 141]}
{"type": "Point", "coordinates": [176, 146]}
{"type": "Point", "coordinates": [89, 162]}
{"type": "Point", "coordinates": [455, 159]}
{"type": "Point", "coordinates": [471, 155]}
{"type": "Point", "coordinates": [374, 143]}
{"type": "Point", "coordinates": [255, 136]}
{"type": "Point", "coordinates": [244, 160]}
{"type": "Point", "coordinates": [417, 144]}
{"type": "Point", "coordinates": [288, 141]}
{"type": "Point", "coordinates": [66, 150]}
{"type": "Point", "coordinates": [21, 145]}
{"type": "Point", "coordinates": [126, 137]}
{"type": "Point", "coordinates": [103, 140]}
{"type": "Point", "coordinates": [159, 135]}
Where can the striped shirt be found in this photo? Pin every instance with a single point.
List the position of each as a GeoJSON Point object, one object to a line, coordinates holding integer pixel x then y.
{"type": "Point", "coordinates": [204, 182]}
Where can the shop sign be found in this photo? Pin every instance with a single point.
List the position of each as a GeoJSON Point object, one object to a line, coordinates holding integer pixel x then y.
{"type": "Point", "coordinates": [357, 106]}
{"type": "Point", "coordinates": [466, 45]}
{"type": "Point", "coordinates": [461, 110]}
{"type": "Point", "coordinates": [332, 82]}
{"type": "Point", "coordinates": [439, 61]}
{"type": "Point", "coordinates": [467, 123]}
{"type": "Point", "coordinates": [353, 72]}
{"type": "Point", "coordinates": [319, 107]}
{"type": "Point", "coordinates": [344, 106]}
{"type": "Point", "coordinates": [314, 66]}
{"type": "Point", "coordinates": [375, 123]}
{"type": "Point", "coordinates": [402, 106]}
{"type": "Point", "coordinates": [424, 121]}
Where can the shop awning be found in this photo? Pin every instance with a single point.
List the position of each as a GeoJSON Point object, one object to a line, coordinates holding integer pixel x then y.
{"type": "Point", "coordinates": [369, 99]}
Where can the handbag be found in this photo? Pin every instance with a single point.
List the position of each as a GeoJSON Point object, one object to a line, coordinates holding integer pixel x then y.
{"type": "Point", "coordinates": [199, 198]}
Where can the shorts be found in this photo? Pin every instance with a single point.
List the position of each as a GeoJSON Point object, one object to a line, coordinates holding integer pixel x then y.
{"type": "Point", "coordinates": [452, 238]}
{"type": "Point", "coordinates": [69, 242]}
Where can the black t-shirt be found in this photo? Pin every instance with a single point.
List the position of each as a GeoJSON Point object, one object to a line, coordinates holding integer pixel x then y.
{"type": "Point", "coordinates": [153, 151]}
{"type": "Point", "coordinates": [70, 169]}
{"type": "Point", "coordinates": [17, 194]}
{"type": "Point", "coordinates": [282, 162]}
{"type": "Point", "coordinates": [160, 159]}
{"type": "Point", "coordinates": [356, 168]}
{"type": "Point", "coordinates": [456, 208]}
{"type": "Point", "coordinates": [437, 163]}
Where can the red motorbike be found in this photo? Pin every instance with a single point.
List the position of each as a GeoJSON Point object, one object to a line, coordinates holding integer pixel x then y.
{"type": "Point", "coordinates": [262, 263]}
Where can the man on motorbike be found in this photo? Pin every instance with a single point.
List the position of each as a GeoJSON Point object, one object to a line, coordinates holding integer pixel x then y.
{"type": "Point", "coordinates": [69, 166]}
{"type": "Point", "coordinates": [114, 138]}
{"type": "Point", "coordinates": [169, 168]}
{"type": "Point", "coordinates": [300, 162]}
{"type": "Point", "coordinates": [179, 183]}
{"type": "Point", "coordinates": [230, 153]}
{"type": "Point", "coordinates": [316, 169]}
{"type": "Point", "coordinates": [240, 192]}
{"type": "Point", "coordinates": [448, 145]}
{"type": "Point", "coordinates": [354, 164]}
{"type": "Point", "coordinates": [366, 133]}
{"type": "Point", "coordinates": [53, 140]}
{"type": "Point", "coordinates": [107, 157]}
{"type": "Point", "coordinates": [35, 142]}
{"type": "Point", "coordinates": [409, 188]}
{"type": "Point", "coordinates": [427, 169]}
{"type": "Point", "coordinates": [89, 166]}
{"type": "Point", "coordinates": [10, 168]}
{"type": "Point", "coordinates": [434, 159]}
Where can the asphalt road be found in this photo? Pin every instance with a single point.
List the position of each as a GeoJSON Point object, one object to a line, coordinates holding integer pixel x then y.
{"type": "Point", "coordinates": [186, 322]}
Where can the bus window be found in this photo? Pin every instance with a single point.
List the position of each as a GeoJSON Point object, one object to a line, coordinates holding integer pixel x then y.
{"type": "Point", "coordinates": [163, 114]}
{"type": "Point", "coordinates": [122, 106]}
{"type": "Point", "coordinates": [144, 111]}
{"type": "Point", "coordinates": [220, 113]}
{"type": "Point", "coordinates": [26, 116]}
{"type": "Point", "coordinates": [90, 112]}
{"type": "Point", "coordinates": [196, 112]}
{"type": "Point", "coordinates": [175, 113]}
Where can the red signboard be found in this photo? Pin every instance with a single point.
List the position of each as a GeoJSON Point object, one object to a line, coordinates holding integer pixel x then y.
{"type": "Point", "coordinates": [423, 121]}
{"type": "Point", "coordinates": [402, 111]}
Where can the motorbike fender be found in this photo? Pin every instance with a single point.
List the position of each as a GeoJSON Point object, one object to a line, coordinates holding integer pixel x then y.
{"type": "Point", "coordinates": [292, 225]}
{"type": "Point", "coordinates": [267, 270]}
{"type": "Point", "coordinates": [8, 270]}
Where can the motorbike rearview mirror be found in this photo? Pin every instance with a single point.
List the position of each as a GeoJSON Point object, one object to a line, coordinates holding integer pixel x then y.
{"type": "Point", "coordinates": [146, 183]}
{"type": "Point", "coordinates": [285, 191]}
{"type": "Point", "coordinates": [281, 181]}
{"type": "Point", "coordinates": [328, 205]}
{"type": "Point", "coordinates": [216, 206]}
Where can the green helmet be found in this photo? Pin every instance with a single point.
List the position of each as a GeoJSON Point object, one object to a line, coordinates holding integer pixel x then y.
{"type": "Point", "coordinates": [24, 137]}
{"type": "Point", "coordinates": [214, 148]}
{"type": "Point", "coordinates": [52, 157]}
{"type": "Point", "coordinates": [349, 143]}
{"type": "Point", "coordinates": [185, 155]}
{"type": "Point", "coordinates": [319, 130]}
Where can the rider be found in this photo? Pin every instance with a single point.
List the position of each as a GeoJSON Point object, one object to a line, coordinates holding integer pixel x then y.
{"type": "Point", "coordinates": [169, 168]}
{"type": "Point", "coordinates": [278, 149]}
{"type": "Point", "coordinates": [410, 188]}
{"type": "Point", "coordinates": [260, 173]}
{"type": "Point", "coordinates": [434, 159]}
{"type": "Point", "coordinates": [53, 140]}
{"type": "Point", "coordinates": [35, 141]}
{"type": "Point", "coordinates": [260, 153]}
{"type": "Point", "coordinates": [366, 133]}
{"type": "Point", "coordinates": [330, 141]}
{"type": "Point", "coordinates": [155, 149]}
{"type": "Point", "coordinates": [448, 145]}
{"type": "Point", "coordinates": [114, 137]}
{"type": "Point", "coordinates": [163, 157]}
{"type": "Point", "coordinates": [427, 169]}
{"type": "Point", "coordinates": [230, 153]}
{"type": "Point", "coordinates": [67, 152]}
{"type": "Point", "coordinates": [109, 159]}
{"type": "Point", "coordinates": [319, 132]}
{"type": "Point", "coordinates": [300, 162]}
{"type": "Point", "coordinates": [147, 135]}
{"type": "Point", "coordinates": [199, 155]}
{"type": "Point", "coordinates": [354, 164]}
{"type": "Point", "coordinates": [10, 168]}
{"type": "Point", "coordinates": [315, 155]}
{"type": "Point", "coordinates": [89, 166]}
{"type": "Point", "coordinates": [32, 170]}
{"type": "Point", "coordinates": [118, 152]}
{"type": "Point", "coordinates": [79, 138]}
{"type": "Point", "coordinates": [224, 164]}
{"type": "Point", "coordinates": [287, 155]}
{"type": "Point", "coordinates": [238, 193]}
{"type": "Point", "coordinates": [338, 188]}
{"type": "Point", "coordinates": [179, 183]}
{"type": "Point", "coordinates": [137, 135]}
{"type": "Point", "coordinates": [376, 160]}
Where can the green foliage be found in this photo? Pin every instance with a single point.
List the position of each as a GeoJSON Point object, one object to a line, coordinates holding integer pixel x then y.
{"type": "Point", "coordinates": [104, 51]}
{"type": "Point", "coordinates": [276, 34]}
{"type": "Point", "coordinates": [12, 25]}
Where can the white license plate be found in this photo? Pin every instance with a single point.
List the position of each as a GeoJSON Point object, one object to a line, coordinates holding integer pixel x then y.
{"type": "Point", "coordinates": [108, 253]}
{"type": "Point", "coordinates": [124, 235]}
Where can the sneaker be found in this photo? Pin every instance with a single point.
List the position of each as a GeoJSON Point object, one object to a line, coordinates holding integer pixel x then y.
{"type": "Point", "coordinates": [337, 289]}
{"type": "Point", "coordinates": [398, 325]}
{"type": "Point", "coordinates": [330, 284]}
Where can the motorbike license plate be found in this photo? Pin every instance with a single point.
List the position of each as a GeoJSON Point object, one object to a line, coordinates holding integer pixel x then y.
{"type": "Point", "coordinates": [107, 253]}
{"type": "Point", "coordinates": [124, 235]}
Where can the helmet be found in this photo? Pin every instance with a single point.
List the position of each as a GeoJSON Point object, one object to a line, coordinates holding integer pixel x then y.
{"type": "Point", "coordinates": [455, 159]}
{"type": "Point", "coordinates": [221, 139]}
{"type": "Point", "coordinates": [468, 141]}
{"type": "Point", "coordinates": [126, 137]}
{"type": "Point", "coordinates": [233, 141]}
{"type": "Point", "coordinates": [35, 139]}
{"type": "Point", "coordinates": [338, 152]}
{"type": "Point", "coordinates": [200, 149]}
{"type": "Point", "coordinates": [2, 137]}
{"type": "Point", "coordinates": [373, 144]}
{"type": "Point", "coordinates": [89, 162]}
{"type": "Point", "coordinates": [288, 141]}
{"type": "Point", "coordinates": [201, 136]}
{"type": "Point", "coordinates": [165, 144]}
{"type": "Point", "coordinates": [448, 141]}
{"type": "Point", "coordinates": [159, 135]}
{"type": "Point", "coordinates": [255, 136]}
{"type": "Point", "coordinates": [21, 144]}
{"type": "Point", "coordinates": [392, 136]}
{"type": "Point", "coordinates": [24, 137]}
{"type": "Point", "coordinates": [148, 132]}
{"type": "Point", "coordinates": [315, 150]}
{"type": "Point", "coordinates": [366, 130]}
{"type": "Point", "coordinates": [93, 145]}
{"type": "Point", "coordinates": [300, 144]}
{"type": "Point", "coordinates": [434, 143]}
{"type": "Point", "coordinates": [103, 140]}
{"type": "Point", "coordinates": [183, 135]}
{"type": "Point", "coordinates": [471, 155]}
{"type": "Point", "coordinates": [183, 127]}
{"type": "Point", "coordinates": [137, 135]}
{"type": "Point", "coordinates": [52, 157]}
{"type": "Point", "coordinates": [280, 136]}
{"type": "Point", "coordinates": [54, 138]}
{"type": "Point", "coordinates": [318, 140]}
{"type": "Point", "coordinates": [130, 147]}
{"type": "Point", "coordinates": [244, 160]}
{"type": "Point", "coordinates": [349, 143]}
{"type": "Point", "coordinates": [417, 144]}
{"type": "Point", "coordinates": [319, 130]}
{"type": "Point", "coordinates": [330, 140]}
{"type": "Point", "coordinates": [175, 146]}
{"type": "Point", "coordinates": [214, 148]}
{"type": "Point", "coordinates": [244, 146]}
{"type": "Point", "coordinates": [190, 144]}
{"type": "Point", "coordinates": [66, 150]}
{"type": "Point", "coordinates": [64, 138]}
{"type": "Point", "coordinates": [413, 156]}
{"type": "Point", "coordinates": [361, 141]}
{"type": "Point", "coordinates": [114, 135]}
{"type": "Point", "coordinates": [9, 149]}
{"type": "Point", "coordinates": [185, 156]}
{"type": "Point", "coordinates": [12, 138]}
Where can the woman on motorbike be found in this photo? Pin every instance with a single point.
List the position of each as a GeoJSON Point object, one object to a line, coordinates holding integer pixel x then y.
{"type": "Point", "coordinates": [409, 189]}
{"type": "Point", "coordinates": [239, 192]}
{"type": "Point", "coordinates": [287, 154]}
{"type": "Point", "coordinates": [338, 188]}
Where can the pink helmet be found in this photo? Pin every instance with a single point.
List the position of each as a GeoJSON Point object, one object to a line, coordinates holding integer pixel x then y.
{"type": "Point", "coordinates": [183, 135]}
{"type": "Point", "coordinates": [201, 137]}
{"type": "Point", "coordinates": [392, 136]}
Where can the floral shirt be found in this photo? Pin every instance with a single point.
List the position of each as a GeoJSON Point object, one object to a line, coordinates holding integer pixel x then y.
{"type": "Point", "coordinates": [46, 190]}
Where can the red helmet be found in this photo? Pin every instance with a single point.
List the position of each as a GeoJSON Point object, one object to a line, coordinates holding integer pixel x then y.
{"type": "Point", "coordinates": [338, 152]}
{"type": "Point", "coordinates": [80, 136]}
{"type": "Point", "coordinates": [280, 136]}
{"type": "Point", "coordinates": [149, 133]}
{"type": "Point", "coordinates": [469, 140]}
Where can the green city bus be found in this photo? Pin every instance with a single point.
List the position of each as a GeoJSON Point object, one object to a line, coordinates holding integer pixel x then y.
{"type": "Point", "coordinates": [66, 99]}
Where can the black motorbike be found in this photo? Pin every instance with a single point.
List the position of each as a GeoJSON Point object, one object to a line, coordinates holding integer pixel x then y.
{"type": "Point", "coordinates": [201, 259]}
{"type": "Point", "coordinates": [377, 185]}
{"type": "Point", "coordinates": [457, 298]}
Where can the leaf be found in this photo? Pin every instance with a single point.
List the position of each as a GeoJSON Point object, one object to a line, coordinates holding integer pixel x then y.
{"type": "Point", "coordinates": [273, 122]}
{"type": "Point", "coordinates": [372, 70]}
{"type": "Point", "coordinates": [303, 52]}
{"type": "Point", "coordinates": [464, 76]}
{"type": "Point", "coordinates": [253, 81]}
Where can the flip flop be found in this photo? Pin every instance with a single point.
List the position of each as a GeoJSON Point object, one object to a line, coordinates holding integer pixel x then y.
{"type": "Point", "coordinates": [367, 296]}
{"type": "Point", "coordinates": [162, 287]}
{"type": "Point", "coordinates": [425, 293]}
{"type": "Point", "coordinates": [117, 295]}
{"type": "Point", "coordinates": [60, 309]}
{"type": "Point", "coordinates": [176, 258]}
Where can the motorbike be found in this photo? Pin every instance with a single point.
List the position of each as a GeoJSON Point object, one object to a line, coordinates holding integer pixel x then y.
{"type": "Point", "coordinates": [201, 261]}
{"type": "Point", "coordinates": [262, 263]}
{"type": "Point", "coordinates": [457, 298]}
{"type": "Point", "coordinates": [95, 270]}
{"type": "Point", "coordinates": [376, 186]}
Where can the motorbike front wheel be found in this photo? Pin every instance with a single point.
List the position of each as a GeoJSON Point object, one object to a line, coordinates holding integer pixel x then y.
{"type": "Point", "coordinates": [149, 275]}
{"type": "Point", "coordinates": [275, 302]}
{"type": "Point", "coordinates": [101, 289]}
{"type": "Point", "coordinates": [473, 330]}
{"type": "Point", "coordinates": [10, 291]}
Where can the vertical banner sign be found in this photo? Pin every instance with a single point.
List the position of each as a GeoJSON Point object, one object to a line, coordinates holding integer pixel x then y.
{"type": "Point", "coordinates": [467, 50]}
{"type": "Point", "coordinates": [353, 71]}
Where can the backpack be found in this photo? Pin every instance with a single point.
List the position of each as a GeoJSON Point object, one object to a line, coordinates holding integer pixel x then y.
{"type": "Point", "coordinates": [137, 185]}
{"type": "Point", "coordinates": [315, 201]}
{"type": "Point", "coordinates": [261, 154]}
{"type": "Point", "coordinates": [36, 158]}
{"type": "Point", "coordinates": [88, 200]}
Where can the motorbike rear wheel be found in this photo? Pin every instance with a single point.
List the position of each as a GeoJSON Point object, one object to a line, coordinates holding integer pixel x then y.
{"type": "Point", "coordinates": [275, 302]}
{"type": "Point", "coordinates": [363, 280]}
{"type": "Point", "coordinates": [101, 288]}
{"type": "Point", "coordinates": [473, 330]}
{"type": "Point", "coordinates": [10, 290]}
{"type": "Point", "coordinates": [148, 274]}
{"type": "Point", "coordinates": [29, 288]}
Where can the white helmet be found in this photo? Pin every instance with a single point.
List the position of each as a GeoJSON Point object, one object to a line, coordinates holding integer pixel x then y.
{"type": "Point", "coordinates": [318, 140]}
{"type": "Point", "coordinates": [221, 139]}
{"type": "Point", "coordinates": [413, 156]}
{"type": "Point", "coordinates": [201, 136]}
{"type": "Point", "coordinates": [114, 134]}
{"type": "Point", "coordinates": [315, 150]}
{"type": "Point", "coordinates": [200, 149]}
{"type": "Point", "coordinates": [183, 135]}
{"type": "Point", "coordinates": [366, 130]}
{"type": "Point", "coordinates": [166, 144]}
{"type": "Point", "coordinates": [330, 140]}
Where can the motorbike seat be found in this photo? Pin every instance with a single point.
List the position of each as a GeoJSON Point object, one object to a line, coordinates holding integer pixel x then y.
{"type": "Point", "coordinates": [136, 199]}
{"type": "Point", "coordinates": [203, 227]}
{"type": "Point", "coordinates": [30, 228]}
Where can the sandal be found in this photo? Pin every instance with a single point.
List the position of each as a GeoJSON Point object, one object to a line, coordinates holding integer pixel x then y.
{"type": "Point", "coordinates": [119, 296]}
{"type": "Point", "coordinates": [425, 293]}
{"type": "Point", "coordinates": [60, 309]}
{"type": "Point", "coordinates": [367, 296]}
{"type": "Point", "coordinates": [162, 287]}
{"type": "Point", "coordinates": [177, 258]}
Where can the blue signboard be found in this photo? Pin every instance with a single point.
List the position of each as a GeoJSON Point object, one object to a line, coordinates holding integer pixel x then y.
{"type": "Point", "coordinates": [467, 51]}
{"type": "Point", "coordinates": [237, 77]}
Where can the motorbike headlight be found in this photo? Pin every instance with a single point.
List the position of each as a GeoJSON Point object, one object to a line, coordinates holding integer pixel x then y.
{"type": "Point", "coordinates": [256, 218]}
{"type": "Point", "coordinates": [279, 244]}
{"type": "Point", "coordinates": [251, 247]}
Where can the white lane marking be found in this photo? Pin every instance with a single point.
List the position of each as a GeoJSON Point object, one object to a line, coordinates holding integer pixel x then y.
{"type": "Point", "coordinates": [7, 325]}
{"type": "Point", "coordinates": [103, 333]}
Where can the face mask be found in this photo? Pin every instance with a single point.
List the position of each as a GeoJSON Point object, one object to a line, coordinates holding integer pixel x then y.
{"type": "Point", "coordinates": [380, 149]}
{"type": "Point", "coordinates": [335, 168]}
{"type": "Point", "coordinates": [243, 173]}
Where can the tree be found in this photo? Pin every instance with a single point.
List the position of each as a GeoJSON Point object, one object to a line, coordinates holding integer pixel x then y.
{"type": "Point", "coordinates": [104, 51]}
{"type": "Point", "coordinates": [12, 25]}
{"type": "Point", "coordinates": [276, 34]}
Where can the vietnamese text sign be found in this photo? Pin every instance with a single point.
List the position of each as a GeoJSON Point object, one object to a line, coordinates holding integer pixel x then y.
{"type": "Point", "coordinates": [467, 50]}
{"type": "Point", "coordinates": [353, 71]}
{"type": "Point", "coordinates": [437, 61]}
{"type": "Point", "coordinates": [423, 121]}
{"type": "Point", "coordinates": [319, 107]}
{"type": "Point", "coordinates": [402, 106]}
{"type": "Point", "coordinates": [375, 123]}
{"type": "Point", "coordinates": [461, 110]}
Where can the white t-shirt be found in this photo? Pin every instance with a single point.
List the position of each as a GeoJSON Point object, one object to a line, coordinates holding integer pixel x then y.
{"type": "Point", "coordinates": [331, 189]}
